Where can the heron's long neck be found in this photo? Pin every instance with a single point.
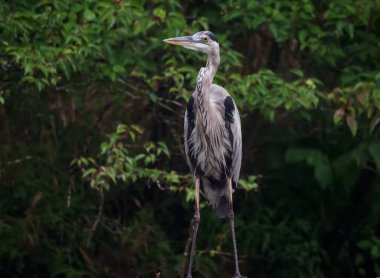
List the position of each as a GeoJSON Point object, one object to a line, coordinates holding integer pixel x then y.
{"type": "Point", "coordinates": [212, 66]}
{"type": "Point", "coordinates": [204, 81]}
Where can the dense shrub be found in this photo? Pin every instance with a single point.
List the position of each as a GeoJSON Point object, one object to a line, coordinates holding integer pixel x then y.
{"type": "Point", "coordinates": [92, 171]}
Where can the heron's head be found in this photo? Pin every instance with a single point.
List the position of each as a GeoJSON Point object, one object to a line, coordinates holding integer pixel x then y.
{"type": "Point", "coordinates": [204, 41]}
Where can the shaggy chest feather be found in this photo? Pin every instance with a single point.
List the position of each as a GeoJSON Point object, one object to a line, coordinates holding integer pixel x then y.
{"type": "Point", "coordinates": [210, 142]}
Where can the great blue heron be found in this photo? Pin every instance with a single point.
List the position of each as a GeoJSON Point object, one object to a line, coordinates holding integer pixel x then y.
{"type": "Point", "coordinates": [212, 138]}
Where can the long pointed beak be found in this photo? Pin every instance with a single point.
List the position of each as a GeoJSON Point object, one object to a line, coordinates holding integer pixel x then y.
{"type": "Point", "coordinates": [180, 40]}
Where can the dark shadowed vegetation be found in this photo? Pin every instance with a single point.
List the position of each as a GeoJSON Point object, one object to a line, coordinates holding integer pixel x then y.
{"type": "Point", "coordinates": [93, 179]}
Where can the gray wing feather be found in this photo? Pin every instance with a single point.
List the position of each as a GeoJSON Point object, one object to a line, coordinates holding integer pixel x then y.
{"type": "Point", "coordinates": [218, 96]}
{"type": "Point", "coordinates": [237, 146]}
{"type": "Point", "coordinates": [189, 125]}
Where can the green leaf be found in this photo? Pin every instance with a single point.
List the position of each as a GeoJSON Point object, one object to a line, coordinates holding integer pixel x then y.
{"type": "Point", "coordinates": [39, 85]}
{"type": "Point", "coordinates": [338, 115]}
{"type": "Point", "coordinates": [323, 174]}
{"type": "Point", "coordinates": [352, 123]}
{"type": "Point", "coordinates": [118, 69]}
{"type": "Point", "coordinates": [302, 36]}
{"type": "Point", "coordinates": [65, 70]}
{"type": "Point", "coordinates": [249, 184]}
{"type": "Point", "coordinates": [298, 154]}
{"type": "Point", "coordinates": [121, 128]}
{"type": "Point", "coordinates": [230, 15]}
{"type": "Point", "coordinates": [104, 147]}
{"type": "Point", "coordinates": [297, 72]}
{"type": "Point", "coordinates": [374, 123]}
{"type": "Point", "coordinates": [365, 244]}
{"type": "Point", "coordinates": [137, 128]}
{"type": "Point", "coordinates": [190, 194]}
{"type": "Point", "coordinates": [139, 156]}
{"type": "Point", "coordinates": [160, 13]}
{"type": "Point", "coordinates": [153, 97]}
{"type": "Point", "coordinates": [2, 100]}
{"type": "Point", "coordinates": [273, 29]}
{"type": "Point", "coordinates": [89, 15]}
{"type": "Point", "coordinates": [132, 135]}
{"type": "Point", "coordinates": [89, 172]}
{"type": "Point", "coordinates": [257, 21]}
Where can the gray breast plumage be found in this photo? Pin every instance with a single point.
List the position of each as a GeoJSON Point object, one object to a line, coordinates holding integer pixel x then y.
{"type": "Point", "coordinates": [210, 139]}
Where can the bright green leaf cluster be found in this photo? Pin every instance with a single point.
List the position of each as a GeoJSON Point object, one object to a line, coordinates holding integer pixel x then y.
{"type": "Point", "coordinates": [116, 163]}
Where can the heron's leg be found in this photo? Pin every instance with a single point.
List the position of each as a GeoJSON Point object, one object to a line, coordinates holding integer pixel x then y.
{"type": "Point", "coordinates": [196, 220]}
{"type": "Point", "coordinates": [232, 224]}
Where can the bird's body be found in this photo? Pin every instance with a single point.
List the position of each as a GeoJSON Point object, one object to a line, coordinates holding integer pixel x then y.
{"type": "Point", "coordinates": [212, 138]}
{"type": "Point", "coordinates": [213, 143]}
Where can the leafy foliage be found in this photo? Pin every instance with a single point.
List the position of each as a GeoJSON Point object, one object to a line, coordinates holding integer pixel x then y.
{"type": "Point", "coordinates": [84, 195]}
{"type": "Point", "coordinates": [120, 165]}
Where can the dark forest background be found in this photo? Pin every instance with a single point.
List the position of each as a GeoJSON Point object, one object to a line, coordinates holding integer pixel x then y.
{"type": "Point", "coordinates": [93, 179]}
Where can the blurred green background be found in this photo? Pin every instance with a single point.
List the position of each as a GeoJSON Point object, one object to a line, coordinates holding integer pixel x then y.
{"type": "Point", "coordinates": [93, 179]}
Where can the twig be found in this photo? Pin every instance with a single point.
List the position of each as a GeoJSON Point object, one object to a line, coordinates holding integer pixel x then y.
{"type": "Point", "coordinates": [220, 253]}
{"type": "Point", "coordinates": [98, 217]}
{"type": "Point", "coordinates": [182, 272]}
{"type": "Point", "coordinates": [68, 201]}
{"type": "Point", "coordinates": [18, 160]}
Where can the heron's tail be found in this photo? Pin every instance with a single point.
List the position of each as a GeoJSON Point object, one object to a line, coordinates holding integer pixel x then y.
{"type": "Point", "coordinates": [221, 209]}
{"type": "Point", "coordinates": [215, 193]}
